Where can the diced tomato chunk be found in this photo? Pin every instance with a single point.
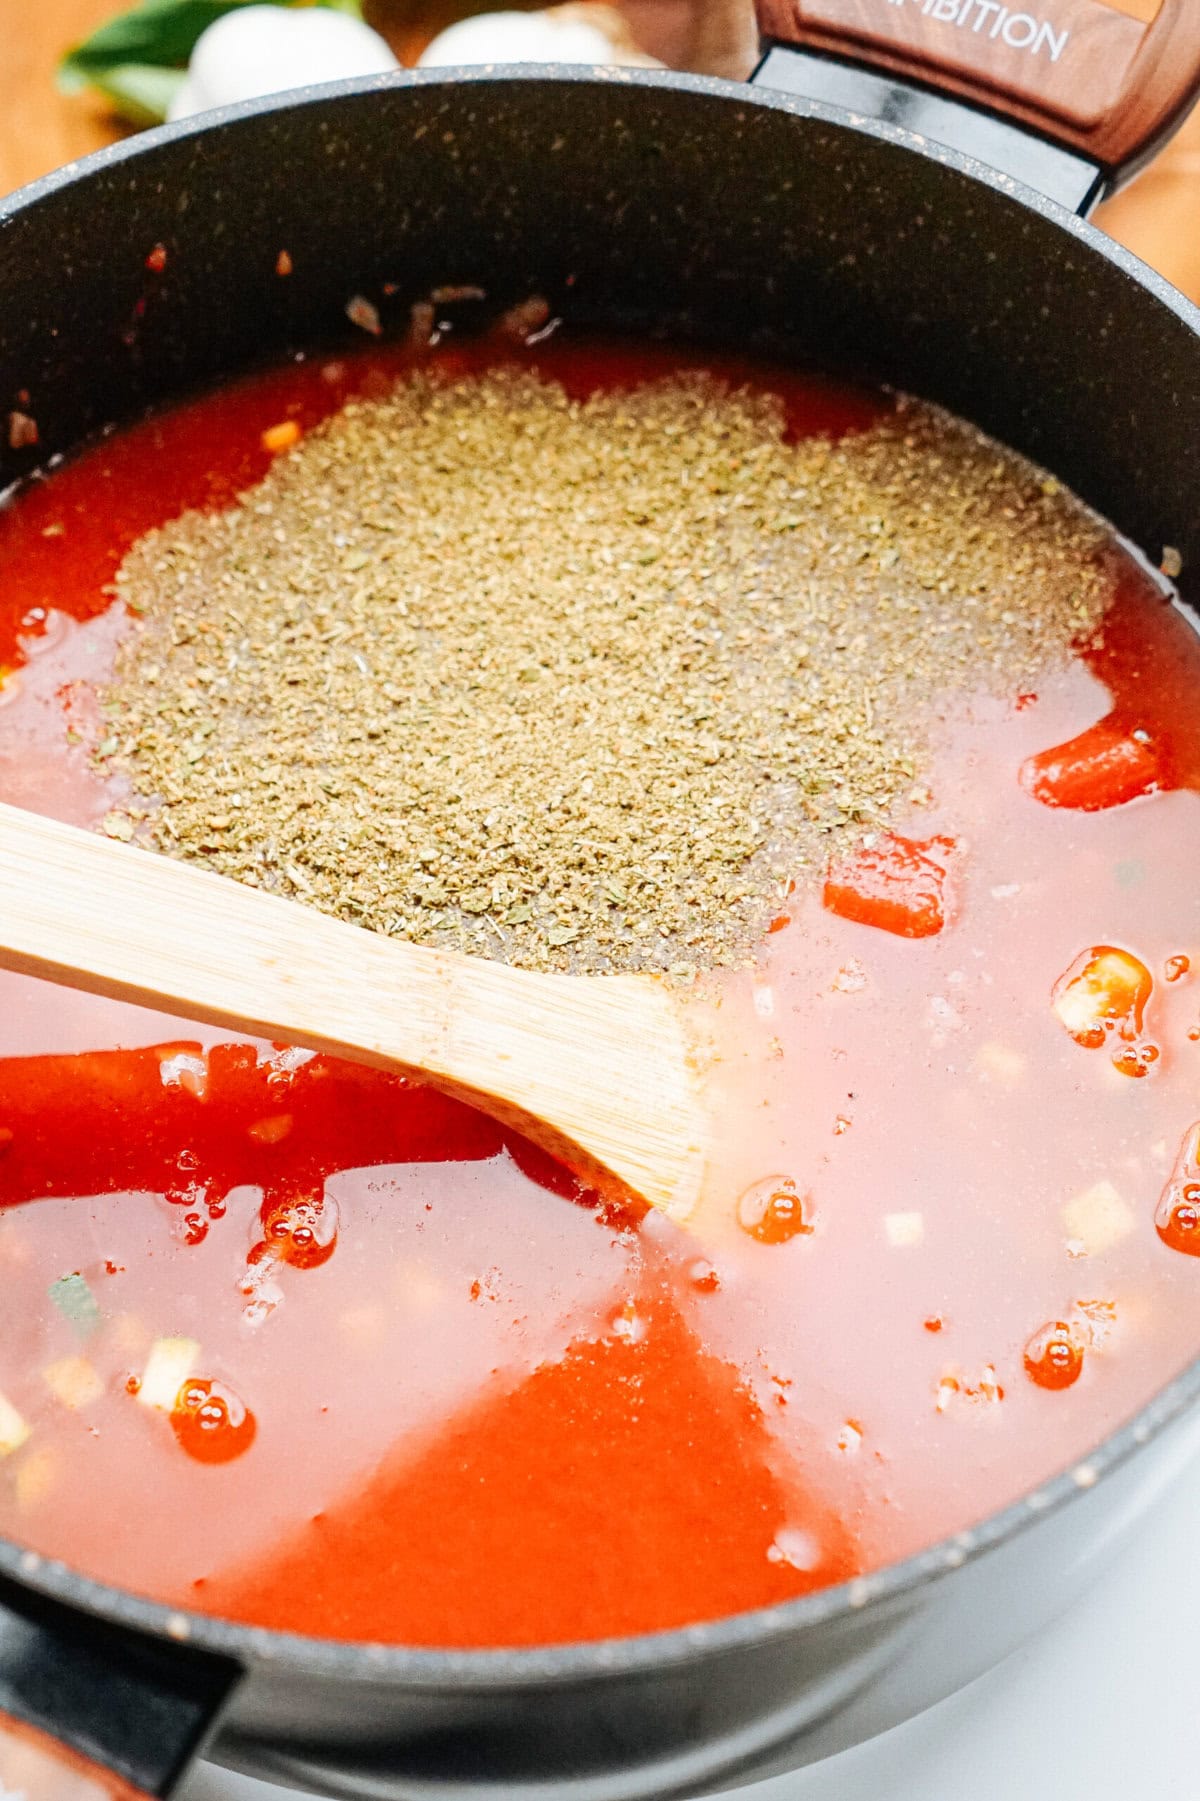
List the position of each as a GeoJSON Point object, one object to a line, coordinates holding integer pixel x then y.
{"type": "Point", "coordinates": [1103, 767]}
{"type": "Point", "coordinates": [897, 884]}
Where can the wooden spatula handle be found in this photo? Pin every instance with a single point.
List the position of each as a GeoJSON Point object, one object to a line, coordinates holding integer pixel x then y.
{"type": "Point", "coordinates": [596, 1069]}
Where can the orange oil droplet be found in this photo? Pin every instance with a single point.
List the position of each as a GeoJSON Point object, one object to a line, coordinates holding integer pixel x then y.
{"type": "Point", "coordinates": [211, 1423]}
{"type": "Point", "coordinates": [1178, 1222]}
{"type": "Point", "coordinates": [1175, 968]}
{"type": "Point", "coordinates": [1054, 1356]}
{"type": "Point", "coordinates": [772, 1211]}
{"type": "Point", "coordinates": [1177, 1216]}
{"type": "Point", "coordinates": [1102, 999]}
{"type": "Point", "coordinates": [1135, 1059]}
{"type": "Point", "coordinates": [298, 1229]}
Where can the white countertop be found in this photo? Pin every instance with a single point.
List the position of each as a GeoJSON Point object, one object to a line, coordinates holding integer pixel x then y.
{"type": "Point", "coordinates": [1101, 1708]}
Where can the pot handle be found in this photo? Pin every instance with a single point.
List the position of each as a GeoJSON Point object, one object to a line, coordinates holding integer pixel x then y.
{"type": "Point", "coordinates": [1092, 80]}
{"type": "Point", "coordinates": [94, 1710]}
{"type": "Point", "coordinates": [36, 1768]}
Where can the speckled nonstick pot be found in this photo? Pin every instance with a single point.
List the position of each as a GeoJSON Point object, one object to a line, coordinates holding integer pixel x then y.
{"type": "Point", "coordinates": [823, 230]}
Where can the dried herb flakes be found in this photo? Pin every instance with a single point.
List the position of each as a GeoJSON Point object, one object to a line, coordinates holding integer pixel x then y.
{"type": "Point", "coordinates": [578, 684]}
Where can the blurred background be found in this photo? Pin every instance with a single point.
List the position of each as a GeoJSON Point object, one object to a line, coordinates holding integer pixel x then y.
{"type": "Point", "coordinates": [42, 127]}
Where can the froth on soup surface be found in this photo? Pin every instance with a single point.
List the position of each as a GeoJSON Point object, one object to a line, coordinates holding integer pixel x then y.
{"type": "Point", "coordinates": [303, 1344]}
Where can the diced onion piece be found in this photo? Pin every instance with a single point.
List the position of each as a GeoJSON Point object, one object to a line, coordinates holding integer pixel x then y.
{"type": "Point", "coordinates": [364, 313]}
{"type": "Point", "coordinates": [272, 1129]}
{"type": "Point", "coordinates": [35, 1476]}
{"type": "Point", "coordinates": [851, 978]}
{"type": "Point", "coordinates": [1104, 989]}
{"type": "Point", "coordinates": [989, 1388]}
{"type": "Point", "coordinates": [1098, 1218]}
{"type": "Point", "coordinates": [281, 1064]}
{"type": "Point", "coordinates": [1095, 1321]}
{"type": "Point", "coordinates": [796, 1547]}
{"type": "Point", "coordinates": [1103, 767]}
{"type": "Point", "coordinates": [73, 1381]}
{"type": "Point", "coordinates": [187, 1070]}
{"type": "Point", "coordinates": [996, 1063]}
{"type": "Point", "coordinates": [904, 1229]}
{"type": "Point", "coordinates": [170, 1363]}
{"type": "Point", "coordinates": [13, 1429]}
{"type": "Point", "coordinates": [954, 1390]}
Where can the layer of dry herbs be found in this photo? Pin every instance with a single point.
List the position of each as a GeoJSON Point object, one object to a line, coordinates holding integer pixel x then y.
{"type": "Point", "coordinates": [580, 685]}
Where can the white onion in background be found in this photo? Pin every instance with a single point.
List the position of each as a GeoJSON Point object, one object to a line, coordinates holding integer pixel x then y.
{"type": "Point", "coordinates": [268, 49]}
{"type": "Point", "coordinates": [580, 33]}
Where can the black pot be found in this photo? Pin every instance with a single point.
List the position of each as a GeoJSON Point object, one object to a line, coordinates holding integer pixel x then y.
{"type": "Point", "coordinates": [693, 210]}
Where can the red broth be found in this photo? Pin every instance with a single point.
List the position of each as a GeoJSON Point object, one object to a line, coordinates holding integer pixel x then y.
{"type": "Point", "coordinates": [436, 1394]}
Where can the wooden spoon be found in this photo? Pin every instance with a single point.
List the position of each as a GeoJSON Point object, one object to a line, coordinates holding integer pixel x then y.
{"type": "Point", "coordinates": [599, 1070]}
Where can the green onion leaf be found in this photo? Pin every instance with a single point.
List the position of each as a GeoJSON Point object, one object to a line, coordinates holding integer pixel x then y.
{"type": "Point", "coordinates": [76, 1302]}
{"type": "Point", "coordinates": [139, 59]}
{"type": "Point", "coordinates": [1131, 873]}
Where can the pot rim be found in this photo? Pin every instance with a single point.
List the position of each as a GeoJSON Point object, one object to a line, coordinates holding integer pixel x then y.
{"type": "Point", "coordinates": [441, 1669]}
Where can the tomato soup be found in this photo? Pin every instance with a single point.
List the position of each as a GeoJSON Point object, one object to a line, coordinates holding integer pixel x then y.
{"type": "Point", "coordinates": [307, 1345]}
